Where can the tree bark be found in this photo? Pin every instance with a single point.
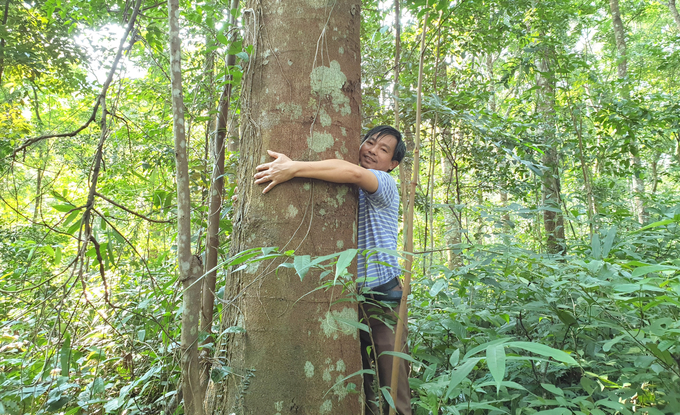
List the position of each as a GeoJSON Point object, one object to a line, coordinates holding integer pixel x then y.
{"type": "Point", "coordinates": [452, 220]}
{"type": "Point", "coordinates": [553, 218]}
{"type": "Point", "coordinates": [300, 96]}
{"type": "Point", "coordinates": [2, 40]}
{"type": "Point", "coordinates": [674, 12]}
{"type": "Point", "coordinates": [215, 211]}
{"type": "Point", "coordinates": [189, 265]}
{"type": "Point", "coordinates": [622, 72]}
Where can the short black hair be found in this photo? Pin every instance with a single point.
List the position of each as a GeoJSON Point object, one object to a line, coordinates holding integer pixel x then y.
{"type": "Point", "coordinates": [382, 130]}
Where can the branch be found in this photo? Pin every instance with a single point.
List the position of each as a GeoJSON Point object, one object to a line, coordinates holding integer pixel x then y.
{"type": "Point", "coordinates": [139, 215]}
{"type": "Point", "coordinates": [100, 97]}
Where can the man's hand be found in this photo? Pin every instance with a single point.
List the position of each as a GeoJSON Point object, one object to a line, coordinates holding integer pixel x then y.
{"type": "Point", "coordinates": [278, 171]}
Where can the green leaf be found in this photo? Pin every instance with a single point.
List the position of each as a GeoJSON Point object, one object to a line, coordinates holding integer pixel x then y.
{"type": "Point", "coordinates": [301, 263]}
{"type": "Point", "coordinates": [461, 373]}
{"type": "Point", "coordinates": [344, 260]}
{"type": "Point", "coordinates": [596, 247]}
{"type": "Point", "coordinates": [400, 355]}
{"type": "Point", "coordinates": [552, 389]}
{"type": "Point", "coordinates": [655, 225]}
{"type": "Point", "coordinates": [566, 317]}
{"type": "Point", "coordinates": [388, 398]}
{"type": "Point", "coordinates": [65, 355]}
{"type": "Point", "coordinates": [222, 39]}
{"type": "Point", "coordinates": [495, 360]}
{"type": "Point", "coordinates": [608, 241]}
{"type": "Point", "coordinates": [637, 272]}
{"type": "Point", "coordinates": [544, 350]}
{"type": "Point", "coordinates": [609, 344]}
{"type": "Point", "coordinates": [63, 208]}
{"type": "Point", "coordinates": [243, 56]}
{"type": "Point", "coordinates": [438, 286]}
{"type": "Point", "coordinates": [454, 358]}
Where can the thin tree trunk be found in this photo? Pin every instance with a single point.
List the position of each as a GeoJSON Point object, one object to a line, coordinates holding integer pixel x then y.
{"type": "Point", "coordinates": [553, 218]}
{"type": "Point", "coordinates": [215, 211]}
{"type": "Point", "coordinates": [189, 265]}
{"type": "Point", "coordinates": [452, 224]}
{"type": "Point", "coordinates": [403, 305]}
{"type": "Point", "coordinates": [655, 172]}
{"type": "Point", "coordinates": [38, 184]}
{"type": "Point", "coordinates": [622, 72]}
{"type": "Point", "coordinates": [2, 41]}
{"type": "Point", "coordinates": [674, 12]}
{"type": "Point", "coordinates": [300, 96]}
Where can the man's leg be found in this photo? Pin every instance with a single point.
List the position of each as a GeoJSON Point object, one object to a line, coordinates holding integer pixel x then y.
{"type": "Point", "coordinates": [383, 339]}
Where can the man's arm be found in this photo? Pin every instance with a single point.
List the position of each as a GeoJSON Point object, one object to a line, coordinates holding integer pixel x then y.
{"type": "Point", "coordinates": [283, 169]}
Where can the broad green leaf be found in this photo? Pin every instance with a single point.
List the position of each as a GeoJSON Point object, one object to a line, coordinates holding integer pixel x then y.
{"type": "Point", "coordinates": [552, 389]}
{"type": "Point", "coordinates": [637, 272]}
{"type": "Point", "coordinates": [566, 317]}
{"type": "Point", "coordinates": [655, 225]}
{"type": "Point", "coordinates": [481, 347]}
{"type": "Point", "coordinates": [63, 208]}
{"type": "Point", "coordinates": [438, 286]}
{"type": "Point", "coordinates": [596, 247]}
{"type": "Point", "coordinates": [344, 260]}
{"type": "Point", "coordinates": [495, 360]}
{"type": "Point", "coordinates": [222, 39]}
{"type": "Point", "coordinates": [454, 358]}
{"type": "Point", "coordinates": [301, 263]}
{"type": "Point", "coordinates": [608, 241]}
{"type": "Point", "coordinates": [554, 411]}
{"type": "Point", "coordinates": [460, 373]}
{"type": "Point", "coordinates": [65, 355]}
{"type": "Point", "coordinates": [400, 355]}
{"type": "Point", "coordinates": [388, 398]}
{"type": "Point", "coordinates": [609, 344]}
{"type": "Point", "coordinates": [544, 350]}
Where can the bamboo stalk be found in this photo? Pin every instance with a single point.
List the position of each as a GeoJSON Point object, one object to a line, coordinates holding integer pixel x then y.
{"type": "Point", "coordinates": [403, 310]}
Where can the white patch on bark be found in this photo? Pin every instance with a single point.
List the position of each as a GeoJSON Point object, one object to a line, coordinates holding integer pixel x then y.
{"type": "Point", "coordinates": [307, 186]}
{"type": "Point", "coordinates": [342, 192]}
{"type": "Point", "coordinates": [326, 407]}
{"type": "Point", "coordinates": [293, 111]}
{"type": "Point", "coordinates": [320, 142]}
{"type": "Point", "coordinates": [339, 389]}
{"type": "Point", "coordinates": [332, 323]}
{"type": "Point", "coordinates": [278, 406]}
{"type": "Point", "coordinates": [291, 212]}
{"type": "Point", "coordinates": [340, 244]}
{"type": "Point", "coordinates": [324, 118]}
{"type": "Point", "coordinates": [341, 50]}
{"type": "Point", "coordinates": [327, 81]}
{"type": "Point", "coordinates": [340, 366]}
{"type": "Point", "coordinates": [309, 369]}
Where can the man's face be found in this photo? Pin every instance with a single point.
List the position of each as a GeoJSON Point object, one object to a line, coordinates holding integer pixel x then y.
{"type": "Point", "coordinates": [376, 153]}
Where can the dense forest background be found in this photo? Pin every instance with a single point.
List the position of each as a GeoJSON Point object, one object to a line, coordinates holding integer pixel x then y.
{"type": "Point", "coordinates": [546, 215]}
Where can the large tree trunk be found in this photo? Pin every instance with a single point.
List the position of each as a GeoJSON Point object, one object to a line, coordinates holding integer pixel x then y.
{"type": "Point", "coordinates": [553, 218]}
{"type": "Point", "coordinates": [189, 266]}
{"type": "Point", "coordinates": [622, 72]}
{"type": "Point", "coordinates": [301, 97]}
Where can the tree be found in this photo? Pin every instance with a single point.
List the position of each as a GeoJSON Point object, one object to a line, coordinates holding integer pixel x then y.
{"type": "Point", "coordinates": [287, 344]}
{"type": "Point", "coordinates": [622, 72]}
{"type": "Point", "coordinates": [189, 265]}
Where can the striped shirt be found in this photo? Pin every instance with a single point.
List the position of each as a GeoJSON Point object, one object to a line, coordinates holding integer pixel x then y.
{"type": "Point", "coordinates": [378, 228]}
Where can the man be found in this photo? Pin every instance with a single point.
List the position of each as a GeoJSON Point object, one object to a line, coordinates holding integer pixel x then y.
{"type": "Point", "coordinates": [382, 149]}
